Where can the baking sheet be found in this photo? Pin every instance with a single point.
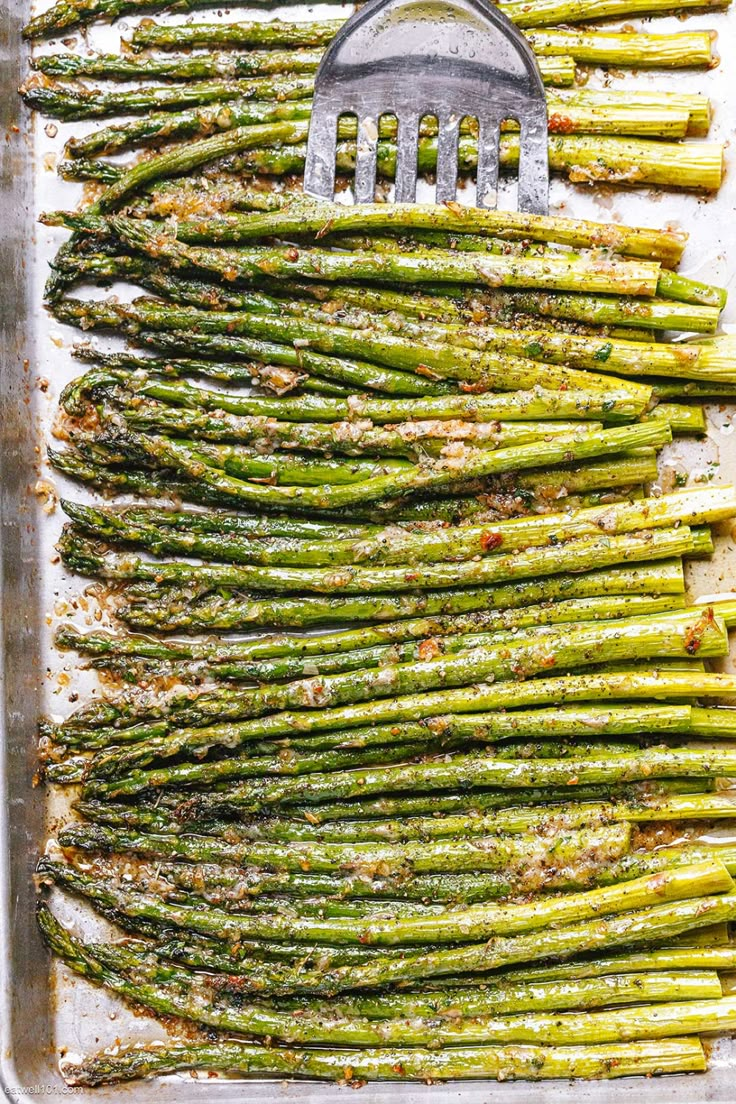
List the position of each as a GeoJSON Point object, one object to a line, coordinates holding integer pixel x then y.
{"type": "Point", "coordinates": [38, 1014]}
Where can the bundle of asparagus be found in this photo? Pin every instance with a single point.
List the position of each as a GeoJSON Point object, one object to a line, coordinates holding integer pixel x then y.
{"type": "Point", "coordinates": [248, 89]}
{"type": "Point", "coordinates": [468, 828]}
{"type": "Point", "coordinates": [65, 14]}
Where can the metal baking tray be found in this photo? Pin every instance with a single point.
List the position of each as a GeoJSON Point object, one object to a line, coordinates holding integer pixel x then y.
{"type": "Point", "coordinates": [42, 1008]}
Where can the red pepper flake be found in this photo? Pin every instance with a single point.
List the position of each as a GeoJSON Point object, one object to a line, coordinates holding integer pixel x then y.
{"type": "Point", "coordinates": [429, 649]}
{"type": "Point", "coordinates": [694, 634]}
{"type": "Point", "coordinates": [490, 540]}
{"type": "Point", "coordinates": [560, 124]}
{"type": "Point", "coordinates": [325, 229]}
{"type": "Point", "coordinates": [573, 781]}
{"type": "Point", "coordinates": [292, 254]}
{"type": "Point", "coordinates": [423, 370]}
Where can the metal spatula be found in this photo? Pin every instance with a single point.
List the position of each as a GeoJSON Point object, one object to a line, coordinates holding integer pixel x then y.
{"type": "Point", "coordinates": [412, 58]}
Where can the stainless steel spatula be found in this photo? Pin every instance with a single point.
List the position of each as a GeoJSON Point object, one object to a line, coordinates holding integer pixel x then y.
{"type": "Point", "coordinates": [412, 58]}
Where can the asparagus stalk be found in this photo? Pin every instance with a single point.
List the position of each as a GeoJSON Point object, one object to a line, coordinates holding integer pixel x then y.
{"type": "Point", "coordinates": [652, 763]}
{"type": "Point", "coordinates": [67, 14]}
{"type": "Point", "coordinates": [660, 119]}
{"type": "Point", "coordinates": [466, 230]}
{"type": "Point", "coordinates": [677, 807]}
{"type": "Point", "coordinates": [486, 500]}
{"type": "Point", "coordinates": [276, 764]}
{"type": "Point", "coordinates": [319, 907]}
{"type": "Point", "coordinates": [585, 554]}
{"type": "Point", "coordinates": [485, 727]}
{"type": "Point", "coordinates": [228, 66]}
{"type": "Point", "coordinates": [659, 578]}
{"type": "Point", "coordinates": [563, 722]}
{"type": "Point", "coordinates": [483, 801]}
{"type": "Point", "coordinates": [629, 928]}
{"type": "Point", "coordinates": [257, 767]}
{"type": "Point", "coordinates": [230, 111]}
{"type": "Point", "coordinates": [632, 684]}
{"type": "Point", "coordinates": [569, 864]}
{"type": "Point", "coordinates": [195, 1002]}
{"type": "Point", "coordinates": [298, 214]}
{"type": "Point", "coordinates": [570, 995]}
{"type": "Point", "coordinates": [83, 169]}
{"type": "Point", "coordinates": [652, 314]}
{"type": "Point", "coordinates": [615, 720]}
{"type": "Point", "coordinates": [622, 160]}
{"type": "Point", "coordinates": [624, 50]}
{"type": "Point", "coordinates": [257, 527]}
{"type": "Point", "coordinates": [579, 157]}
{"type": "Point", "coordinates": [550, 12]}
{"type": "Point", "coordinates": [161, 36]}
{"type": "Point", "coordinates": [670, 284]}
{"type": "Point", "coordinates": [199, 952]}
{"type": "Point", "coordinates": [671, 956]}
{"type": "Point", "coordinates": [541, 391]}
{"type": "Point", "coordinates": [357, 1066]}
{"type": "Point", "coordinates": [487, 370]}
{"type": "Point", "coordinates": [531, 491]}
{"type": "Point", "coordinates": [62, 102]}
{"type": "Point", "coordinates": [517, 406]}
{"type": "Point", "coordinates": [664, 389]}
{"type": "Point", "coordinates": [680, 417]}
{"type": "Point", "coordinates": [254, 957]}
{"type": "Point", "coordinates": [573, 647]}
{"type": "Point", "coordinates": [431, 475]}
{"type": "Point", "coordinates": [191, 155]}
{"type": "Point", "coordinates": [131, 481]}
{"type": "Point", "coordinates": [471, 925]}
{"type": "Point", "coordinates": [612, 1060]}
{"type": "Point", "coordinates": [71, 771]}
{"type": "Point", "coordinates": [546, 996]}
{"type": "Point", "coordinates": [659, 1021]}
{"type": "Point", "coordinates": [556, 69]}
{"type": "Point", "coordinates": [593, 352]}
{"type": "Point", "coordinates": [288, 667]}
{"type": "Point", "coordinates": [302, 470]}
{"type": "Point", "coordinates": [627, 49]}
{"type": "Point", "coordinates": [413, 438]}
{"type": "Point", "coordinates": [270, 377]}
{"type": "Point", "coordinates": [222, 884]}
{"type": "Point", "coordinates": [587, 485]}
{"type": "Point", "coordinates": [584, 352]}
{"type": "Point", "coordinates": [625, 277]}
{"type": "Point", "coordinates": [589, 395]}
{"type": "Point", "coordinates": [281, 380]}
{"type": "Point", "coordinates": [689, 507]}
{"type": "Point", "coordinates": [473, 306]}
{"type": "Point", "coordinates": [238, 613]}
{"type": "Point", "coordinates": [275, 531]}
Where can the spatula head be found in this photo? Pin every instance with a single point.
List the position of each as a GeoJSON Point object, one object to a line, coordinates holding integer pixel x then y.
{"type": "Point", "coordinates": [453, 60]}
